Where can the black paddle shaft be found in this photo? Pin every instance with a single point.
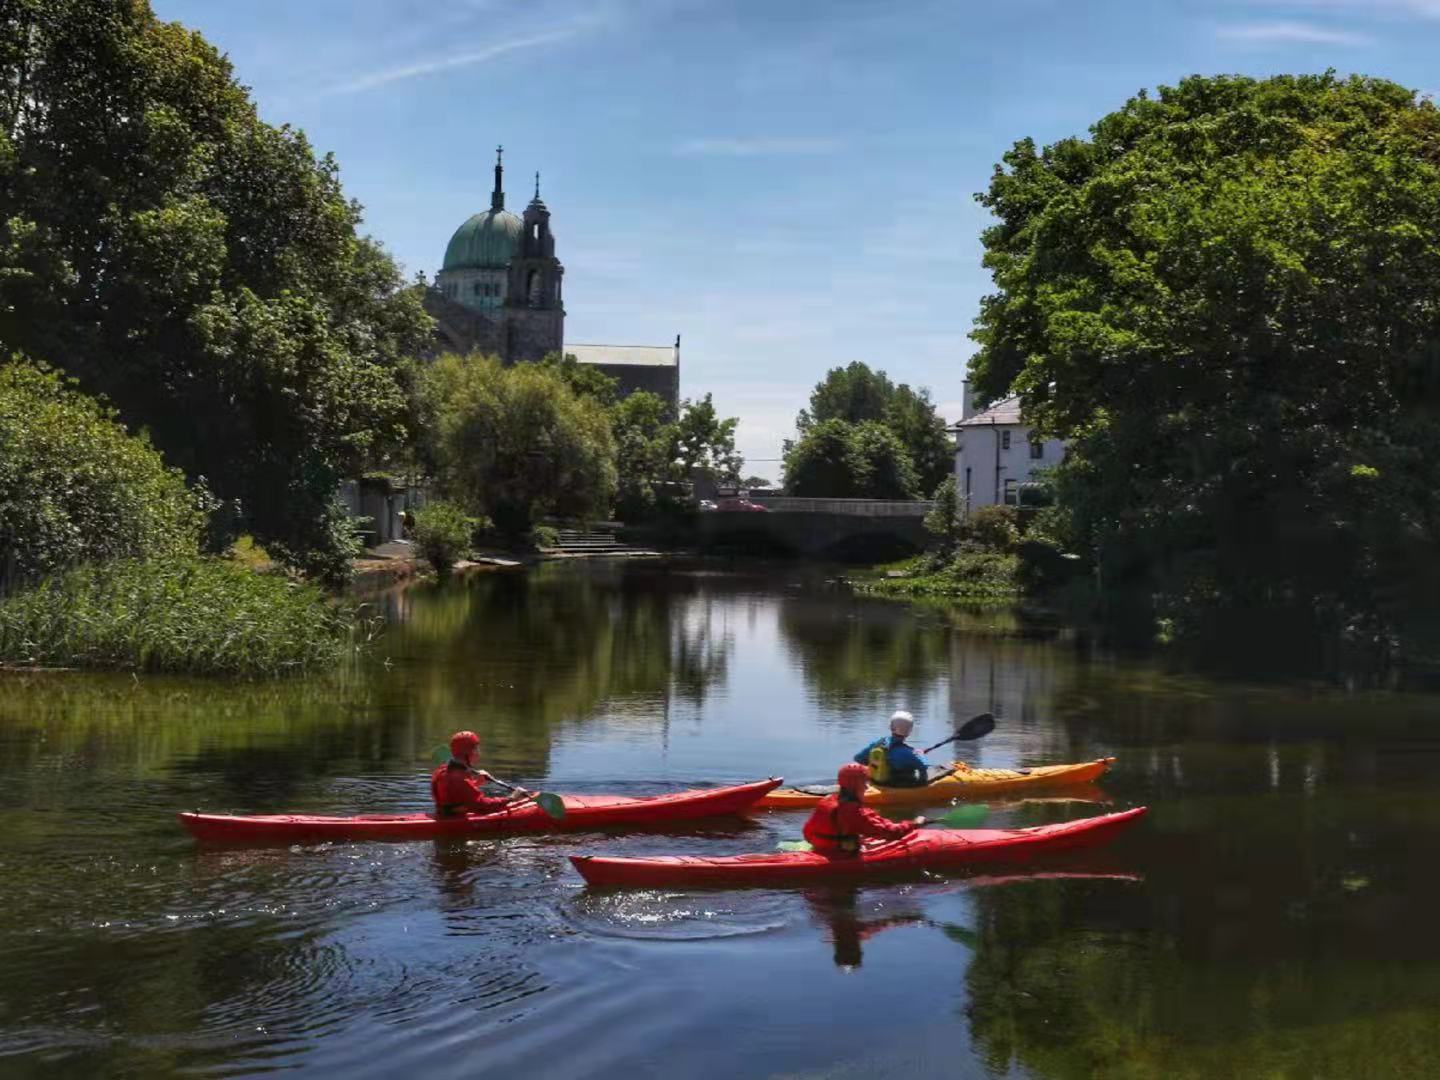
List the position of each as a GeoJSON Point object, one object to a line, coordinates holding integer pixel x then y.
{"type": "Point", "coordinates": [977, 727]}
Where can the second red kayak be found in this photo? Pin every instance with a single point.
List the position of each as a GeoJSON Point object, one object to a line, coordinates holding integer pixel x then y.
{"type": "Point", "coordinates": [924, 850]}
{"type": "Point", "coordinates": [581, 812]}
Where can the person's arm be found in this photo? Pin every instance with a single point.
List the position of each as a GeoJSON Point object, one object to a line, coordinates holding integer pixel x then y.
{"type": "Point", "coordinates": [479, 802]}
{"type": "Point", "coordinates": [869, 823]}
{"type": "Point", "coordinates": [863, 757]}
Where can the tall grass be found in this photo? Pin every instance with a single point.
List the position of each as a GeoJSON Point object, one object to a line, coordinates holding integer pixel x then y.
{"type": "Point", "coordinates": [192, 616]}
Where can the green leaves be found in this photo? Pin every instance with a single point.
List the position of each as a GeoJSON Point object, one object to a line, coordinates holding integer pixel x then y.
{"type": "Point", "coordinates": [1229, 290]}
{"type": "Point", "coordinates": [75, 486]}
{"type": "Point", "coordinates": [836, 459]}
{"type": "Point", "coordinates": [859, 395]}
{"type": "Point", "coordinates": [200, 268]}
{"type": "Point", "coordinates": [515, 443]}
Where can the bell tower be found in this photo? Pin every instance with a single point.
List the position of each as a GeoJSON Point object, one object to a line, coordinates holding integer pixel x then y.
{"type": "Point", "coordinates": [534, 306]}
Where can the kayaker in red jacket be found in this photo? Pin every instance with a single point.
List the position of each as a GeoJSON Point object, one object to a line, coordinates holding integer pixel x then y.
{"type": "Point", "coordinates": [457, 786]}
{"type": "Point", "coordinates": [838, 824]}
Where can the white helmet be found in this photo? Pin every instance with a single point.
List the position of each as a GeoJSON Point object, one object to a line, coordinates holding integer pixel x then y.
{"type": "Point", "coordinates": [902, 723]}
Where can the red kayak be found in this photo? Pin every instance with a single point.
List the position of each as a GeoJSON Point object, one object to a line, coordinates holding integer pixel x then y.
{"type": "Point", "coordinates": [581, 812]}
{"type": "Point", "coordinates": [931, 849]}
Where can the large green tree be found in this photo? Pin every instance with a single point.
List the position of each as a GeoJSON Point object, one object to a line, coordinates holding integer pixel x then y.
{"type": "Point", "coordinates": [835, 459]}
{"type": "Point", "coordinates": [1228, 298]}
{"type": "Point", "coordinates": [515, 442]}
{"type": "Point", "coordinates": [858, 394]}
{"type": "Point", "coordinates": [76, 487]}
{"type": "Point", "coordinates": [198, 266]}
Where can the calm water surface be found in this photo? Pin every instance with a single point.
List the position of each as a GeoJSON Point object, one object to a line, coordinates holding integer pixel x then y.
{"type": "Point", "coordinates": [1274, 916]}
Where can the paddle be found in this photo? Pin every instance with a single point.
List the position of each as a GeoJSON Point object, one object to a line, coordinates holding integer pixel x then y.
{"type": "Point", "coordinates": [977, 727]}
{"type": "Point", "coordinates": [549, 802]}
{"type": "Point", "coordinates": [962, 817]}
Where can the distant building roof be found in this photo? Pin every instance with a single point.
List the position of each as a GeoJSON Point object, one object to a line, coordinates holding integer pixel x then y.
{"type": "Point", "coordinates": [1002, 412]}
{"type": "Point", "coordinates": [634, 355]}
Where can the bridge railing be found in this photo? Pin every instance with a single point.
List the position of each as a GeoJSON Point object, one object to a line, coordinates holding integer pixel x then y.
{"type": "Point", "coordinates": [858, 507]}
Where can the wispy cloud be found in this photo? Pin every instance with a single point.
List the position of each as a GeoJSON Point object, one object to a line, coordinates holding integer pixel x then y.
{"type": "Point", "coordinates": [468, 59]}
{"type": "Point", "coordinates": [1290, 33]}
{"type": "Point", "coordinates": [1425, 8]}
{"type": "Point", "coordinates": [761, 145]}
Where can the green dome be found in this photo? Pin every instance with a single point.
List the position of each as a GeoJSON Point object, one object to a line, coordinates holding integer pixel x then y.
{"type": "Point", "coordinates": [485, 242]}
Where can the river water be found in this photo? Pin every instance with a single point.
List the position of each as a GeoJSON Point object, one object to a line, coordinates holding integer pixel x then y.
{"type": "Point", "coordinates": [1273, 916]}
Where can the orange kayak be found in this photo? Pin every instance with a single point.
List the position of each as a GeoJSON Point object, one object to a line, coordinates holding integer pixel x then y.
{"type": "Point", "coordinates": [964, 783]}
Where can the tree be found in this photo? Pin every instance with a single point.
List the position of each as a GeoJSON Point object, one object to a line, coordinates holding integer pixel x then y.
{"type": "Point", "coordinates": [704, 441]}
{"type": "Point", "coordinates": [200, 268]}
{"type": "Point", "coordinates": [1228, 298]}
{"type": "Point", "coordinates": [857, 394]}
{"type": "Point", "coordinates": [515, 443]}
{"type": "Point", "coordinates": [76, 487]}
{"type": "Point", "coordinates": [754, 482]}
{"type": "Point", "coordinates": [585, 380]}
{"type": "Point", "coordinates": [943, 522]}
{"type": "Point", "coordinates": [840, 460]}
{"type": "Point", "coordinates": [644, 454]}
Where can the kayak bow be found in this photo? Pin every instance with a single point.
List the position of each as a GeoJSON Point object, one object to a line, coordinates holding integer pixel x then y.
{"type": "Point", "coordinates": [581, 812]}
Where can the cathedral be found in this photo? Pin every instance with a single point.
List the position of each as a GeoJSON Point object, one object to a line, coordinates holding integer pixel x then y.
{"type": "Point", "coordinates": [499, 292]}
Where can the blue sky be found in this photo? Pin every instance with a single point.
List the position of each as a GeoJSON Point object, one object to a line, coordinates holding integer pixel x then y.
{"type": "Point", "coordinates": [786, 183]}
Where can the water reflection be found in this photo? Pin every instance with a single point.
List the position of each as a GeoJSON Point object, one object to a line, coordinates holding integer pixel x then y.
{"type": "Point", "coordinates": [1282, 926]}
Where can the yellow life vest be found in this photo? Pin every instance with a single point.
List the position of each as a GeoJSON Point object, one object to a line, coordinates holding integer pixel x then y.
{"type": "Point", "coordinates": [879, 764]}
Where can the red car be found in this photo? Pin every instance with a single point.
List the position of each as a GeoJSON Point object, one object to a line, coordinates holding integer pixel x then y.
{"type": "Point", "coordinates": [739, 504]}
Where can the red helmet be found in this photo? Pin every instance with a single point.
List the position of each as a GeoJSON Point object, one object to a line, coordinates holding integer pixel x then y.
{"type": "Point", "coordinates": [464, 743]}
{"type": "Point", "coordinates": [853, 778]}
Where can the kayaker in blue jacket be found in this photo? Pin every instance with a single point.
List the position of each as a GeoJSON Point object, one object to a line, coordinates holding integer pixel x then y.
{"type": "Point", "coordinates": [892, 762]}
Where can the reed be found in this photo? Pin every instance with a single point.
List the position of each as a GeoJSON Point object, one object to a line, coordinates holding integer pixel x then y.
{"type": "Point", "coordinates": [192, 616]}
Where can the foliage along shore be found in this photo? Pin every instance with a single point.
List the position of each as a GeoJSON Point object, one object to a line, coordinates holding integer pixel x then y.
{"type": "Point", "coordinates": [201, 616]}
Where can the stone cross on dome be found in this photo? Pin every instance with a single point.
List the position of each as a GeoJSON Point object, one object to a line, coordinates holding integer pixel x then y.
{"type": "Point", "coordinates": [497, 197]}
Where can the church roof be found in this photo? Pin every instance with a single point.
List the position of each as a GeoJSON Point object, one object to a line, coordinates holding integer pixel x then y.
{"type": "Point", "coordinates": [634, 355]}
{"type": "Point", "coordinates": [1002, 412]}
{"type": "Point", "coordinates": [487, 241]}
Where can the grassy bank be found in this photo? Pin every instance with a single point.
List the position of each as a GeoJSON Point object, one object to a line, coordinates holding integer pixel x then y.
{"type": "Point", "coordinates": [969, 576]}
{"type": "Point", "coordinates": [196, 616]}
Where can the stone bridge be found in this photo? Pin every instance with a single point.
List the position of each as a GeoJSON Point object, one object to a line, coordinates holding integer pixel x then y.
{"type": "Point", "coordinates": [843, 530]}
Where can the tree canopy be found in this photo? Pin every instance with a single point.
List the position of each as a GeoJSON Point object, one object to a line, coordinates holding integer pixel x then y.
{"type": "Point", "coordinates": [1228, 298]}
{"type": "Point", "coordinates": [839, 460]}
{"type": "Point", "coordinates": [515, 443]}
{"type": "Point", "coordinates": [858, 394]}
{"type": "Point", "coordinates": [199, 267]}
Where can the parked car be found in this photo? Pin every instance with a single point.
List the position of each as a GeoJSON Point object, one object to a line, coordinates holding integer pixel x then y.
{"type": "Point", "coordinates": [741, 505]}
{"type": "Point", "coordinates": [708, 504]}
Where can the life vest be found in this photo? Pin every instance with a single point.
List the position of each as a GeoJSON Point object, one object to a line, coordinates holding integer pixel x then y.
{"type": "Point", "coordinates": [437, 790]}
{"type": "Point", "coordinates": [880, 762]}
{"type": "Point", "coordinates": [829, 811]}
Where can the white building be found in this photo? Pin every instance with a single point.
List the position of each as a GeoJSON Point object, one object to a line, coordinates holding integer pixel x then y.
{"type": "Point", "coordinates": [995, 454]}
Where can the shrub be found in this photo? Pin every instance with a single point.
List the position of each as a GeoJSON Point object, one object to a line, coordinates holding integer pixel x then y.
{"type": "Point", "coordinates": [192, 615]}
{"type": "Point", "coordinates": [543, 536]}
{"type": "Point", "coordinates": [992, 528]}
{"type": "Point", "coordinates": [443, 532]}
{"type": "Point", "coordinates": [943, 522]}
{"type": "Point", "coordinates": [75, 486]}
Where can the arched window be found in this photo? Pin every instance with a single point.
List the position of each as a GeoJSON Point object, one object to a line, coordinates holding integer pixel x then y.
{"type": "Point", "coordinates": [532, 288]}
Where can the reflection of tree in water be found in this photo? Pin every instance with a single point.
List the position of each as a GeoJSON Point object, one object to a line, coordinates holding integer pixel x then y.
{"type": "Point", "coordinates": [863, 653]}
{"type": "Point", "coordinates": [1181, 979]}
{"type": "Point", "coordinates": [515, 654]}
